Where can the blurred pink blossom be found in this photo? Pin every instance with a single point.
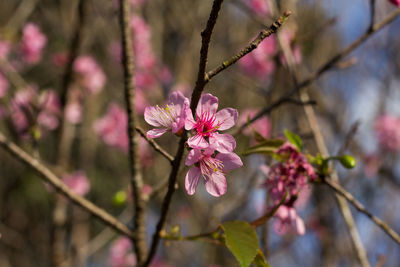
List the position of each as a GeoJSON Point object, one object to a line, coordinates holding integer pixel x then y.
{"type": "Point", "coordinates": [259, 63]}
{"type": "Point", "coordinates": [3, 85]}
{"type": "Point", "coordinates": [73, 112]}
{"type": "Point", "coordinates": [112, 127]}
{"type": "Point", "coordinates": [387, 128]}
{"type": "Point", "coordinates": [262, 125]}
{"type": "Point", "coordinates": [137, 2]}
{"type": "Point", "coordinates": [259, 7]}
{"type": "Point", "coordinates": [32, 43]}
{"type": "Point", "coordinates": [77, 182]}
{"type": "Point", "coordinates": [4, 49]}
{"type": "Point", "coordinates": [287, 217]}
{"type": "Point", "coordinates": [92, 76]}
{"type": "Point", "coordinates": [120, 254]}
{"type": "Point", "coordinates": [287, 36]}
{"type": "Point", "coordinates": [395, 2]}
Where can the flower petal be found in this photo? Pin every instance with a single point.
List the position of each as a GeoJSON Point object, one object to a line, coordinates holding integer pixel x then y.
{"type": "Point", "coordinates": [192, 180]}
{"type": "Point", "coordinates": [226, 118]}
{"type": "Point", "coordinates": [230, 160]}
{"type": "Point", "coordinates": [151, 116]}
{"type": "Point", "coordinates": [197, 141]}
{"type": "Point", "coordinates": [193, 157]}
{"type": "Point", "coordinates": [155, 133]}
{"type": "Point", "coordinates": [178, 100]}
{"type": "Point", "coordinates": [189, 122]}
{"type": "Point", "coordinates": [224, 143]}
{"type": "Point", "coordinates": [216, 184]}
{"type": "Point", "coordinates": [207, 104]}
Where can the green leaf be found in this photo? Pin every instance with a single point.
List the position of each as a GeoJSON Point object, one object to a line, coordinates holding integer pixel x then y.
{"type": "Point", "coordinates": [348, 161]}
{"type": "Point", "coordinates": [294, 139]}
{"type": "Point", "coordinates": [119, 198]}
{"type": "Point", "coordinates": [241, 239]}
{"type": "Point", "coordinates": [268, 146]}
{"type": "Point", "coordinates": [260, 260]}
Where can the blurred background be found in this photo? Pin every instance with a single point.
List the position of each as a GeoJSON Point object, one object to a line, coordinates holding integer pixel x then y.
{"type": "Point", "coordinates": [359, 95]}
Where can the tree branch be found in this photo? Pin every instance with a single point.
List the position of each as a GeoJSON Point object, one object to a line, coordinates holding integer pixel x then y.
{"type": "Point", "coordinates": [349, 197]}
{"type": "Point", "coordinates": [154, 144]}
{"type": "Point", "coordinates": [48, 176]}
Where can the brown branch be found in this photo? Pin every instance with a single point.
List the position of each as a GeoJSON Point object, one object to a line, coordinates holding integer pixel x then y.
{"type": "Point", "coordinates": [205, 43]}
{"type": "Point", "coordinates": [48, 176]}
{"type": "Point", "coordinates": [349, 197]}
{"type": "Point", "coordinates": [136, 175]}
{"type": "Point", "coordinates": [154, 144]}
{"type": "Point", "coordinates": [253, 45]}
{"type": "Point", "coordinates": [199, 86]}
{"type": "Point", "coordinates": [325, 67]}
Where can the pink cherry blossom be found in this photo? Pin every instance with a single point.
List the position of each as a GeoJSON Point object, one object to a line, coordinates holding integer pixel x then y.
{"type": "Point", "coordinates": [32, 43]}
{"type": "Point", "coordinates": [287, 217]}
{"type": "Point", "coordinates": [59, 59]}
{"type": "Point", "coordinates": [171, 117]}
{"type": "Point", "coordinates": [387, 128]}
{"type": "Point", "coordinates": [120, 253]}
{"type": "Point", "coordinates": [261, 126]}
{"type": "Point", "coordinates": [77, 182]}
{"type": "Point", "coordinates": [287, 37]}
{"type": "Point", "coordinates": [3, 85]}
{"type": "Point", "coordinates": [112, 128]}
{"type": "Point", "coordinates": [259, 7]}
{"type": "Point", "coordinates": [212, 168]}
{"type": "Point", "coordinates": [259, 63]}
{"type": "Point", "coordinates": [27, 108]}
{"type": "Point", "coordinates": [73, 112]}
{"type": "Point", "coordinates": [4, 49]}
{"type": "Point", "coordinates": [92, 76]}
{"type": "Point", "coordinates": [289, 178]}
{"type": "Point", "coordinates": [395, 2]}
{"type": "Point", "coordinates": [208, 121]}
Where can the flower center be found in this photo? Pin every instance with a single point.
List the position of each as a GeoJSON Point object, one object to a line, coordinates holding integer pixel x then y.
{"type": "Point", "coordinates": [205, 124]}
{"type": "Point", "coordinates": [167, 114]}
{"type": "Point", "coordinates": [209, 165]}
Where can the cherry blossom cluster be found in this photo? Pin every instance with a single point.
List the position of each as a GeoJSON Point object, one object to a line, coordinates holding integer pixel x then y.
{"type": "Point", "coordinates": [395, 2]}
{"type": "Point", "coordinates": [211, 153]}
{"type": "Point", "coordinates": [288, 178]}
{"type": "Point", "coordinates": [30, 110]}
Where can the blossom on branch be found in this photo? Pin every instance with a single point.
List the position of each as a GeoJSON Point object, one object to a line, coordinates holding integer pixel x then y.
{"type": "Point", "coordinates": [32, 43]}
{"type": "Point", "coordinates": [212, 168]}
{"type": "Point", "coordinates": [395, 2]}
{"type": "Point", "coordinates": [208, 122]}
{"type": "Point", "coordinates": [387, 128]}
{"type": "Point", "coordinates": [171, 117]}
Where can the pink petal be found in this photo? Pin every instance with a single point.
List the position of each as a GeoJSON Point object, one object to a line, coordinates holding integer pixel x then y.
{"type": "Point", "coordinates": [150, 116]}
{"type": "Point", "coordinates": [179, 100]}
{"type": "Point", "coordinates": [224, 143]}
{"type": "Point", "coordinates": [300, 227]}
{"type": "Point", "coordinates": [193, 157]}
{"type": "Point", "coordinates": [197, 141]}
{"type": "Point", "coordinates": [192, 180]}
{"type": "Point", "coordinates": [216, 185]}
{"type": "Point", "coordinates": [189, 122]}
{"type": "Point", "coordinates": [207, 104]}
{"type": "Point", "coordinates": [155, 133]}
{"type": "Point", "coordinates": [230, 160]}
{"type": "Point", "coordinates": [227, 118]}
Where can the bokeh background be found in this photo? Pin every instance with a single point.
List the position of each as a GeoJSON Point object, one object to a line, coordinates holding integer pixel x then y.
{"type": "Point", "coordinates": [362, 89]}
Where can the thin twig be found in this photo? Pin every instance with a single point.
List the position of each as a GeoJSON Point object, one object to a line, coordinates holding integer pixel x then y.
{"type": "Point", "coordinates": [372, 11]}
{"type": "Point", "coordinates": [154, 144]}
{"type": "Point", "coordinates": [48, 176]}
{"type": "Point", "coordinates": [199, 86]}
{"type": "Point", "coordinates": [253, 45]}
{"type": "Point", "coordinates": [136, 175]}
{"type": "Point", "coordinates": [349, 197]}
{"type": "Point", "coordinates": [327, 66]}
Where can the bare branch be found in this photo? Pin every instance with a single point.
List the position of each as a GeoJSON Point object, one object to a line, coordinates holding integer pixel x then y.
{"type": "Point", "coordinates": [349, 197]}
{"type": "Point", "coordinates": [136, 175]}
{"type": "Point", "coordinates": [154, 144]}
{"type": "Point", "coordinates": [48, 176]}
